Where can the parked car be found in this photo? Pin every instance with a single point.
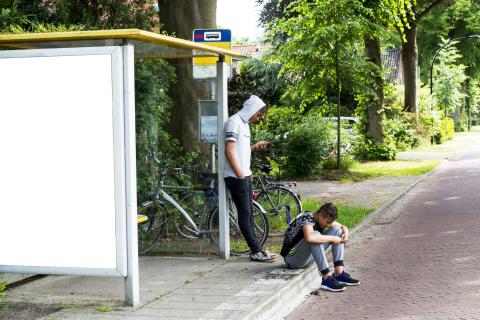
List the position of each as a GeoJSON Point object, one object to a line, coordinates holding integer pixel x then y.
{"type": "Point", "coordinates": [347, 123]}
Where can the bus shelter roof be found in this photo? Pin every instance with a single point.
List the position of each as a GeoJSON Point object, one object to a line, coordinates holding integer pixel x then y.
{"type": "Point", "coordinates": [148, 45]}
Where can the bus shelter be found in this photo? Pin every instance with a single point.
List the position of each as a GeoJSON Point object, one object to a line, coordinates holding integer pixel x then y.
{"type": "Point", "coordinates": [72, 210]}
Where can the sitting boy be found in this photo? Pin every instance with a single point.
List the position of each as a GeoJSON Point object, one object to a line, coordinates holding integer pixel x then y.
{"type": "Point", "coordinates": [306, 239]}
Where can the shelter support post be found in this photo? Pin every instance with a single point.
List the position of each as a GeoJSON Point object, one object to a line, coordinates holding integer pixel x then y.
{"type": "Point", "coordinates": [132, 288]}
{"type": "Point", "coordinates": [213, 166]}
{"type": "Point", "coordinates": [222, 98]}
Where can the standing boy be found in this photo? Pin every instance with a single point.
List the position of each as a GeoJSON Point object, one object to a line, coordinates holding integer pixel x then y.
{"type": "Point", "coordinates": [238, 174]}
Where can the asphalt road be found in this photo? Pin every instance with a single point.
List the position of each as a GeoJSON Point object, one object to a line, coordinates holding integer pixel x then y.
{"type": "Point", "coordinates": [421, 260]}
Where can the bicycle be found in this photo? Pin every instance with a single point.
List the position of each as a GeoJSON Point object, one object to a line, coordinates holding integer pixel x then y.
{"type": "Point", "coordinates": [281, 204]}
{"type": "Point", "coordinates": [188, 223]}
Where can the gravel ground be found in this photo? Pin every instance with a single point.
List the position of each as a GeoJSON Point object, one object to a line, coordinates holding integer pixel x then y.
{"type": "Point", "coordinates": [25, 311]}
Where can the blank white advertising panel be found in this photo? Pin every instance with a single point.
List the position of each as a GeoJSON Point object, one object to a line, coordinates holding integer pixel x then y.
{"type": "Point", "coordinates": [61, 163]}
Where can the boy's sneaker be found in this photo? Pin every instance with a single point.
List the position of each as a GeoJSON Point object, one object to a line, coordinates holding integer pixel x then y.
{"type": "Point", "coordinates": [263, 256]}
{"type": "Point", "coordinates": [346, 279]}
{"type": "Point", "coordinates": [331, 284]}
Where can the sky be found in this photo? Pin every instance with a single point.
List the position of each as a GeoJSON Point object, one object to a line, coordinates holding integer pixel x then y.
{"type": "Point", "coordinates": [240, 16]}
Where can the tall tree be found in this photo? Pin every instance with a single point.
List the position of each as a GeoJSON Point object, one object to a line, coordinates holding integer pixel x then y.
{"type": "Point", "coordinates": [415, 11]}
{"type": "Point", "coordinates": [180, 18]}
{"type": "Point", "coordinates": [384, 14]}
{"type": "Point", "coordinates": [449, 78]}
{"type": "Point", "coordinates": [321, 48]}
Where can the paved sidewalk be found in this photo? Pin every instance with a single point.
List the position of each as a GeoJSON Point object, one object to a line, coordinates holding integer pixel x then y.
{"type": "Point", "coordinates": [420, 259]}
{"type": "Point", "coordinates": [173, 288]}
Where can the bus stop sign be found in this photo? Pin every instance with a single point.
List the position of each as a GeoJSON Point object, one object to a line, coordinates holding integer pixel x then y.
{"type": "Point", "coordinates": [205, 68]}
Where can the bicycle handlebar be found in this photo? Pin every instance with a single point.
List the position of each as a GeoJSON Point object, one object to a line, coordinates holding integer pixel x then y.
{"type": "Point", "coordinates": [152, 156]}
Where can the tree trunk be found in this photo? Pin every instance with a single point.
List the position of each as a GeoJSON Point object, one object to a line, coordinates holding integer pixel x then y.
{"type": "Point", "coordinates": [409, 61]}
{"type": "Point", "coordinates": [180, 17]}
{"type": "Point", "coordinates": [375, 106]}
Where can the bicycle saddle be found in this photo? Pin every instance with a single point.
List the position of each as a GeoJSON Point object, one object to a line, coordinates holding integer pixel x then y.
{"type": "Point", "coordinates": [265, 168]}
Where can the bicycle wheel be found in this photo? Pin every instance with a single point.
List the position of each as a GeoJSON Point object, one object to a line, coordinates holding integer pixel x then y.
{"type": "Point", "coordinates": [195, 202]}
{"type": "Point", "coordinates": [275, 201]}
{"type": "Point", "coordinates": [237, 242]}
{"type": "Point", "coordinates": [150, 232]}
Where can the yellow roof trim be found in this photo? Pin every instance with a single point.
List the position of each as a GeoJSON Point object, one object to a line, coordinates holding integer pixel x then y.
{"type": "Point", "coordinates": [131, 34]}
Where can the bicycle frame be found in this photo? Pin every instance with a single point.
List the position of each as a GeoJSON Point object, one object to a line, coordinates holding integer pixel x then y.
{"type": "Point", "coordinates": [177, 206]}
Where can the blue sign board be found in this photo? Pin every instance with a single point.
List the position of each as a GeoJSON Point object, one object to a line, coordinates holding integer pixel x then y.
{"type": "Point", "coordinates": [210, 35]}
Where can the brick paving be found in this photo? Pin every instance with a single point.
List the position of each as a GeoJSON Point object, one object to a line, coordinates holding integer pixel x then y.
{"type": "Point", "coordinates": [421, 259]}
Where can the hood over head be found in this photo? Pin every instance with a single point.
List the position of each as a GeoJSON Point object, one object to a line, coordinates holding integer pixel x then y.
{"type": "Point", "coordinates": [250, 107]}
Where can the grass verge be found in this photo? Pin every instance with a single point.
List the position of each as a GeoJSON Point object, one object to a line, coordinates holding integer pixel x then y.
{"type": "Point", "coordinates": [347, 215]}
{"type": "Point", "coordinates": [373, 169]}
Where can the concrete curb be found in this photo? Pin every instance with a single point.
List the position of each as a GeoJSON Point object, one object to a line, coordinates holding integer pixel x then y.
{"type": "Point", "coordinates": [282, 303]}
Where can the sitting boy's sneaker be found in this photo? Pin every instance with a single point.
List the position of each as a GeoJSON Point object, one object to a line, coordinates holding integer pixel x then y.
{"type": "Point", "coordinates": [346, 279]}
{"type": "Point", "coordinates": [263, 256]}
{"type": "Point", "coordinates": [331, 284]}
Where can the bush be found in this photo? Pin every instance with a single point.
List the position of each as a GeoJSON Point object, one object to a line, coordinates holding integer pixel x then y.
{"type": "Point", "coordinates": [475, 122]}
{"type": "Point", "coordinates": [346, 162]}
{"type": "Point", "coordinates": [369, 150]}
{"type": "Point", "coordinates": [446, 131]}
{"type": "Point", "coordinates": [306, 147]}
{"type": "Point", "coordinates": [280, 120]}
{"type": "Point", "coordinates": [400, 130]}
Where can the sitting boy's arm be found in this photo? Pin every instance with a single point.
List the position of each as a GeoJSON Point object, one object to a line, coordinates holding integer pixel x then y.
{"type": "Point", "coordinates": [311, 236]}
{"type": "Point", "coordinates": [345, 232]}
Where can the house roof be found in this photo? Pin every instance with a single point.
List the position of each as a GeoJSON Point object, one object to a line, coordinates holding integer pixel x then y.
{"type": "Point", "coordinates": [252, 50]}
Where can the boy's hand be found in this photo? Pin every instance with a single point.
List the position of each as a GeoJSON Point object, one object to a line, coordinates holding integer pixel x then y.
{"type": "Point", "coordinates": [260, 145]}
{"type": "Point", "coordinates": [345, 238]}
{"type": "Point", "coordinates": [336, 240]}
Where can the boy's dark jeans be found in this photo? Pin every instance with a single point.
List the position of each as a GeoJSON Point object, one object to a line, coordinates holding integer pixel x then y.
{"type": "Point", "coordinates": [242, 193]}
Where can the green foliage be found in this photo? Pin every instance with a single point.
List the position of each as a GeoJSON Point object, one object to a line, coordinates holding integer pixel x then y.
{"type": "Point", "coordinates": [346, 162]}
{"type": "Point", "coordinates": [104, 308]}
{"type": "Point", "coordinates": [42, 28]}
{"type": "Point", "coordinates": [280, 120]}
{"type": "Point", "coordinates": [306, 146]}
{"type": "Point", "coordinates": [428, 117]}
{"type": "Point", "coordinates": [348, 215]}
{"type": "Point", "coordinates": [451, 19]}
{"type": "Point", "coordinates": [397, 131]}
{"type": "Point", "coordinates": [266, 78]}
{"type": "Point", "coordinates": [3, 287]}
{"type": "Point", "coordinates": [303, 144]}
{"type": "Point", "coordinates": [11, 16]}
{"type": "Point", "coordinates": [370, 150]}
{"type": "Point", "coordinates": [256, 77]}
{"type": "Point", "coordinates": [152, 80]}
{"type": "Point", "coordinates": [474, 96]}
{"type": "Point", "coordinates": [400, 130]}
{"type": "Point", "coordinates": [446, 130]}
{"type": "Point", "coordinates": [448, 78]}
{"type": "Point", "coordinates": [321, 46]}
